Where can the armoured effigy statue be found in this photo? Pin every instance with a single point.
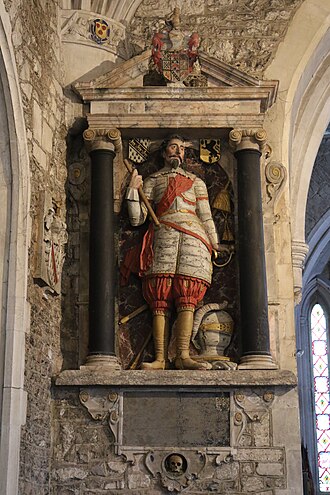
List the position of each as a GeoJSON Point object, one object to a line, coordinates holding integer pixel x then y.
{"type": "Point", "coordinates": [175, 258]}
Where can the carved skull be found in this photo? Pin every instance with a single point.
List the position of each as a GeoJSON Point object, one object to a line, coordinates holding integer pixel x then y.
{"type": "Point", "coordinates": [176, 464]}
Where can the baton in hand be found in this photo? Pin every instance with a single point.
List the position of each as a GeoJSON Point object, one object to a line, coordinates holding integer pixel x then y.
{"type": "Point", "coordinates": [143, 196]}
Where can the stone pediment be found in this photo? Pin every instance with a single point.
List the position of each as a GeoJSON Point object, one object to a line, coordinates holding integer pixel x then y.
{"type": "Point", "coordinates": [231, 98]}
{"type": "Point", "coordinates": [130, 73]}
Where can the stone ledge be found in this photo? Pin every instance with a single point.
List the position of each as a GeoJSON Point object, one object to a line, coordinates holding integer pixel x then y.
{"type": "Point", "coordinates": [172, 378]}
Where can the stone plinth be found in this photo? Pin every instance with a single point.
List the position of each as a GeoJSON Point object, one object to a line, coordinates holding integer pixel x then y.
{"type": "Point", "coordinates": [172, 378]}
{"type": "Point", "coordinates": [201, 432]}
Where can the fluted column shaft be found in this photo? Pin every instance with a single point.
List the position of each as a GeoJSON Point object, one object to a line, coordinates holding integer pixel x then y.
{"type": "Point", "coordinates": [252, 265]}
{"type": "Point", "coordinates": [102, 277]}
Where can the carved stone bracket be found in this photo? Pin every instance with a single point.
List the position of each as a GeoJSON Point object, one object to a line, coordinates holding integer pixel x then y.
{"type": "Point", "coordinates": [276, 176]}
{"type": "Point", "coordinates": [299, 252]}
{"type": "Point", "coordinates": [104, 407]}
{"type": "Point", "coordinates": [250, 407]}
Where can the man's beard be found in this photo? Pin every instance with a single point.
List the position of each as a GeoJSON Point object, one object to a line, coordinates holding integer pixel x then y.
{"type": "Point", "coordinates": [176, 161]}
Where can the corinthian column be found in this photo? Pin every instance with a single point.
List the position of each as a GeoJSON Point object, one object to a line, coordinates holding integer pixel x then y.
{"type": "Point", "coordinates": [102, 146]}
{"type": "Point", "coordinates": [252, 266]}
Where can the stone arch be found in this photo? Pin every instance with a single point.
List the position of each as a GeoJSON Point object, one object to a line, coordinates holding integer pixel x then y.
{"type": "Point", "coordinates": [14, 239]}
{"type": "Point", "coordinates": [319, 249]}
{"type": "Point", "coordinates": [300, 117]}
{"type": "Point", "coordinates": [304, 99]}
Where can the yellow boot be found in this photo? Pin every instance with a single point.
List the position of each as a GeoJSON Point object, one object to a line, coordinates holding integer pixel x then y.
{"type": "Point", "coordinates": [160, 331]}
{"type": "Point", "coordinates": [184, 325]}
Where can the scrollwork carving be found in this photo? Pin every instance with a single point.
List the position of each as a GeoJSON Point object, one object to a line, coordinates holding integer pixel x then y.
{"type": "Point", "coordinates": [276, 175]}
{"type": "Point", "coordinates": [252, 407]}
{"type": "Point", "coordinates": [103, 407]}
{"type": "Point", "coordinates": [97, 138]}
{"type": "Point", "coordinates": [248, 139]}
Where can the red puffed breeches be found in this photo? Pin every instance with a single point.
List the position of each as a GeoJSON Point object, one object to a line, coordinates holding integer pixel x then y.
{"type": "Point", "coordinates": [161, 291]}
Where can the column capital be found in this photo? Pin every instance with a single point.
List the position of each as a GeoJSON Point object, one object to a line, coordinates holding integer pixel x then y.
{"type": "Point", "coordinates": [248, 139]}
{"type": "Point", "coordinates": [103, 139]}
{"type": "Point", "coordinates": [299, 253]}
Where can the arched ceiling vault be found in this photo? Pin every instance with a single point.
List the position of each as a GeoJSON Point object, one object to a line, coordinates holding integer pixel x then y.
{"type": "Point", "coordinates": [119, 10]}
{"type": "Point", "coordinates": [243, 33]}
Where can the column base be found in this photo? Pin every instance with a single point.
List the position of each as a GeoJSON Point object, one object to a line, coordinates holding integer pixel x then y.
{"type": "Point", "coordinates": [102, 362]}
{"type": "Point", "coordinates": [257, 362]}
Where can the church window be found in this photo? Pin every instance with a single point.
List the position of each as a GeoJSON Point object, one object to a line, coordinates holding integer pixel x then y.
{"type": "Point", "coordinates": [320, 364]}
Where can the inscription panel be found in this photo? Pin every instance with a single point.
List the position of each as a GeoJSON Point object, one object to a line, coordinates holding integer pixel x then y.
{"type": "Point", "coordinates": [180, 419]}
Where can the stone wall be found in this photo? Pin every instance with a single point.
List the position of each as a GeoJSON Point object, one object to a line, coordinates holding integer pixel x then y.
{"type": "Point", "coordinates": [37, 49]}
{"type": "Point", "coordinates": [243, 34]}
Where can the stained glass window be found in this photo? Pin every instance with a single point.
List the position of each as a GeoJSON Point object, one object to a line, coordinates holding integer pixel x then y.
{"type": "Point", "coordinates": [321, 394]}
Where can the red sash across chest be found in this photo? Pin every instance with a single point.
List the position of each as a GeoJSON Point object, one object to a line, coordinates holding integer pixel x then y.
{"type": "Point", "coordinates": [177, 185]}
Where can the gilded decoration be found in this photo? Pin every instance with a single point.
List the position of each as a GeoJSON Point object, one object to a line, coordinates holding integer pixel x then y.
{"type": "Point", "coordinates": [103, 138]}
{"type": "Point", "coordinates": [209, 150]}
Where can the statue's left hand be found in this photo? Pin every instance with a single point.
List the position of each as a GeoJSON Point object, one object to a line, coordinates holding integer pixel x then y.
{"type": "Point", "coordinates": [222, 251]}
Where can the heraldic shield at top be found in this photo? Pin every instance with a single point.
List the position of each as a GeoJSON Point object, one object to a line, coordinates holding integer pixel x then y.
{"type": "Point", "coordinates": [174, 52]}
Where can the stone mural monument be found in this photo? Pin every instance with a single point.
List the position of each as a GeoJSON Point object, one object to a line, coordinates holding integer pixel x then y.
{"type": "Point", "coordinates": [177, 371]}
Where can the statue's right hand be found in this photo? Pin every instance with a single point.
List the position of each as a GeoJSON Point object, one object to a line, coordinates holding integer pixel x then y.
{"type": "Point", "coordinates": [136, 180]}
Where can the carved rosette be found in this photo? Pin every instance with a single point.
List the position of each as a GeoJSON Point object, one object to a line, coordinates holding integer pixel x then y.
{"type": "Point", "coordinates": [96, 139]}
{"type": "Point", "coordinates": [299, 252]}
{"type": "Point", "coordinates": [248, 139]}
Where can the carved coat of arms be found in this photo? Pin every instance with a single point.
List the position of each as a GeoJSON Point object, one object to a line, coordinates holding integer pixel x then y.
{"type": "Point", "coordinates": [175, 53]}
{"type": "Point", "coordinates": [100, 31]}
